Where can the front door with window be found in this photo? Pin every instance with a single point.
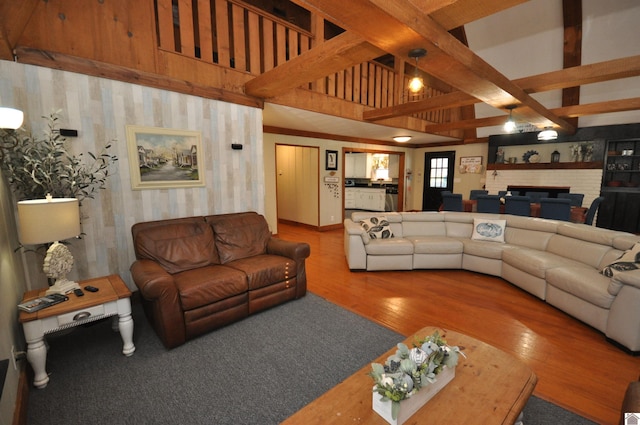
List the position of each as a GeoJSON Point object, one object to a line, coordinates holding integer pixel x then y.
{"type": "Point", "coordinates": [438, 177]}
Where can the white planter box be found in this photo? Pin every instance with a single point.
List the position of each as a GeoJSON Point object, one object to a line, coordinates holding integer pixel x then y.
{"type": "Point", "coordinates": [411, 405]}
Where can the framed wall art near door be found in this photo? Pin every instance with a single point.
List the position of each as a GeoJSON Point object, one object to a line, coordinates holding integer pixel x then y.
{"type": "Point", "coordinates": [331, 160]}
{"type": "Point", "coordinates": [161, 158]}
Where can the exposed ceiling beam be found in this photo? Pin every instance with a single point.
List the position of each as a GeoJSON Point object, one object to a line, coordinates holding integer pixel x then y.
{"type": "Point", "coordinates": [570, 77]}
{"type": "Point", "coordinates": [406, 27]}
{"type": "Point", "coordinates": [574, 111]}
{"type": "Point", "coordinates": [572, 48]}
{"type": "Point", "coordinates": [20, 13]}
{"type": "Point", "coordinates": [336, 54]}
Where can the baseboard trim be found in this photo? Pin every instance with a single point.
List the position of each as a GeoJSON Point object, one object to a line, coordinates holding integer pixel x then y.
{"type": "Point", "coordinates": [310, 226]}
{"type": "Point", "coordinates": [22, 397]}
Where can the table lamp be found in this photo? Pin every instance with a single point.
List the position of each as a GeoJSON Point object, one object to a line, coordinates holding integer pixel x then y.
{"type": "Point", "coordinates": [51, 220]}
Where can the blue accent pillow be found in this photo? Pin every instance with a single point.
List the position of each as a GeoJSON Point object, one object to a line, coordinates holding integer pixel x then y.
{"type": "Point", "coordinates": [488, 230]}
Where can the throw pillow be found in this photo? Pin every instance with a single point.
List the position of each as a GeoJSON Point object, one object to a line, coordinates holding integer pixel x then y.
{"type": "Point", "coordinates": [377, 227]}
{"type": "Point", "coordinates": [488, 230]}
{"type": "Point", "coordinates": [630, 260]}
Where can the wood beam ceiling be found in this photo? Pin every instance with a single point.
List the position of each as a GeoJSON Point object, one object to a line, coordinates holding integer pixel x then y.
{"type": "Point", "coordinates": [407, 27]}
{"type": "Point", "coordinates": [555, 80]}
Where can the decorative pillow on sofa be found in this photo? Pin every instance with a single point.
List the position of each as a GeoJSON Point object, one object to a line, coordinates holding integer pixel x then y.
{"type": "Point", "coordinates": [488, 230]}
{"type": "Point", "coordinates": [377, 227]}
{"type": "Point", "coordinates": [630, 260]}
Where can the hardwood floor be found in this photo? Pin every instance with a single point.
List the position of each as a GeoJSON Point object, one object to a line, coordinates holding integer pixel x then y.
{"type": "Point", "coordinates": [577, 367]}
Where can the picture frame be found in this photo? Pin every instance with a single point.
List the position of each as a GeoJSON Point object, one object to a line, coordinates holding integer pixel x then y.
{"type": "Point", "coordinates": [331, 160]}
{"type": "Point", "coordinates": [471, 164]}
{"type": "Point", "coordinates": [161, 158]}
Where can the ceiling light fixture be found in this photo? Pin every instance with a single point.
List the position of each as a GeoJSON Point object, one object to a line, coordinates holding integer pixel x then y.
{"type": "Point", "coordinates": [402, 139]}
{"type": "Point", "coordinates": [548, 134]}
{"type": "Point", "coordinates": [510, 125]}
{"type": "Point", "coordinates": [416, 83]}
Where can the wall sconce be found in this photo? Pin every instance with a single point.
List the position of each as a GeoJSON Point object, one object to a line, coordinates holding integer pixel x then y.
{"type": "Point", "coordinates": [547, 134]}
{"type": "Point", "coordinates": [510, 125]}
{"type": "Point", "coordinates": [43, 221]}
{"type": "Point", "coordinates": [10, 120]}
{"type": "Point", "coordinates": [402, 139]}
{"type": "Point", "coordinates": [416, 83]}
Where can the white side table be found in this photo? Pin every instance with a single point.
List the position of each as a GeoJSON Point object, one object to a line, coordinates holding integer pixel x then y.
{"type": "Point", "coordinates": [112, 299]}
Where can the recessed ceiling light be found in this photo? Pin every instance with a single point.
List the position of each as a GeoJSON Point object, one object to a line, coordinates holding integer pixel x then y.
{"type": "Point", "coordinates": [402, 139]}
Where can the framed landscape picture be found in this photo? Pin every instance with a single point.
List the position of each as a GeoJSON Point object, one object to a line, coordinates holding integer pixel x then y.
{"type": "Point", "coordinates": [161, 158]}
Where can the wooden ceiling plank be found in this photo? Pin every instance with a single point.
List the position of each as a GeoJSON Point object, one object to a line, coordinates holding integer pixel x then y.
{"type": "Point", "coordinates": [11, 30]}
{"type": "Point", "coordinates": [336, 54]}
{"type": "Point", "coordinates": [462, 12]}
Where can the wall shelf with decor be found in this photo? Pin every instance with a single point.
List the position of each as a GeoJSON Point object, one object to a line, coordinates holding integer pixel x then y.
{"type": "Point", "coordinates": [620, 209]}
{"type": "Point", "coordinates": [547, 166]}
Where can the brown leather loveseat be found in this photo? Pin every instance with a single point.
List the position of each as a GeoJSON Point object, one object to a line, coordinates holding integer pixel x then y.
{"type": "Point", "coordinates": [197, 274]}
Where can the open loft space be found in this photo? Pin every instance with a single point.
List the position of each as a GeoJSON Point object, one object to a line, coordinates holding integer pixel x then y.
{"type": "Point", "coordinates": [307, 111]}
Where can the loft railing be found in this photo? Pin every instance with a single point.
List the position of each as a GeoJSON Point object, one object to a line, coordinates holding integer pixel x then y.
{"type": "Point", "coordinates": [236, 35]}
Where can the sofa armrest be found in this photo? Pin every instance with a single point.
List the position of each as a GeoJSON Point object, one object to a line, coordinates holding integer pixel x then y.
{"type": "Point", "coordinates": [352, 228]}
{"type": "Point", "coordinates": [297, 251]}
{"type": "Point", "coordinates": [629, 277]}
{"type": "Point", "coordinates": [162, 301]}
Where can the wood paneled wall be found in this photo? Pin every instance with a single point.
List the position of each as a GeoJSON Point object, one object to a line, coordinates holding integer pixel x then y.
{"type": "Point", "coordinates": [100, 109]}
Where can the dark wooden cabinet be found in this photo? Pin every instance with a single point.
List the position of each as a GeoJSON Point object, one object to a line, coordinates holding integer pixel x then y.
{"type": "Point", "coordinates": [620, 209]}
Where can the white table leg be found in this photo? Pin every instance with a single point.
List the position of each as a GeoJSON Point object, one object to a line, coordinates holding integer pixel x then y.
{"type": "Point", "coordinates": [37, 357]}
{"type": "Point", "coordinates": [125, 326]}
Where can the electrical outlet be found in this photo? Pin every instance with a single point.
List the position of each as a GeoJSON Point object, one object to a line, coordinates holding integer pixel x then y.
{"type": "Point", "coordinates": [16, 355]}
{"type": "Point", "coordinates": [332, 218]}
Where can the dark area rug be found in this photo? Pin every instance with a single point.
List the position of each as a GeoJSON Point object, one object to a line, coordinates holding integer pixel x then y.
{"type": "Point", "coordinates": [257, 371]}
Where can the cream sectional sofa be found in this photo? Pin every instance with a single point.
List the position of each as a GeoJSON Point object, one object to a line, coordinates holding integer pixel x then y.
{"type": "Point", "coordinates": [558, 262]}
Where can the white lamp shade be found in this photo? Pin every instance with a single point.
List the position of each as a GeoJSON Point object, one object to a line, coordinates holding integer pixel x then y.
{"type": "Point", "coordinates": [48, 220]}
{"type": "Point", "coordinates": [11, 118]}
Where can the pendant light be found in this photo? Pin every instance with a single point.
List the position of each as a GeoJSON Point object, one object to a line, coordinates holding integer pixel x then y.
{"type": "Point", "coordinates": [416, 83]}
{"type": "Point", "coordinates": [548, 134]}
{"type": "Point", "coordinates": [510, 125]}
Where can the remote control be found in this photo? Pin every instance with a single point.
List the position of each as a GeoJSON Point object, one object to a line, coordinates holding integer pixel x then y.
{"type": "Point", "coordinates": [78, 292]}
{"type": "Point", "coordinates": [91, 288]}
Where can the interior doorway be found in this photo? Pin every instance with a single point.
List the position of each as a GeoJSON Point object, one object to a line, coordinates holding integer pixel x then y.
{"type": "Point", "coordinates": [371, 173]}
{"type": "Point", "coordinates": [438, 177]}
{"type": "Point", "coordinates": [297, 187]}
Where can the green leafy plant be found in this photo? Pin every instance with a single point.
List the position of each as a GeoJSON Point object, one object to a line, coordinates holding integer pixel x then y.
{"type": "Point", "coordinates": [36, 167]}
{"type": "Point", "coordinates": [408, 370]}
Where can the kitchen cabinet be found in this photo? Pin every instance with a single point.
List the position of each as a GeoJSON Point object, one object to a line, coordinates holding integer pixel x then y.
{"type": "Point", "coordinates": [350, 198]}
{"type": "Point", "coordinates": [394, 166]}
{"type": "Point", "coordinates": [620, 209]}
{"type": "Point", "coordinates": [355, 165]}
{"type": "Point", "coordinates": [368, 199]}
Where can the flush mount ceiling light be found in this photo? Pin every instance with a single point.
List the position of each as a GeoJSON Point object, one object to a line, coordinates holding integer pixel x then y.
{"type": "Point", "coordinates": [548, 134]}
{"type": "Point", "coordinates": [510, 125]}
{"type": "Point", "coordinates": [416, 83]}
{"type": "Point", "coordinates": [402, 139]}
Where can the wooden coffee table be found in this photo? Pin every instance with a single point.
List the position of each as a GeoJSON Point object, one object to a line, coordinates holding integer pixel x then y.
{"type": "Point", "coordinates": [112, 299]}
{"type": "Point", "coordinates": [490, 387]}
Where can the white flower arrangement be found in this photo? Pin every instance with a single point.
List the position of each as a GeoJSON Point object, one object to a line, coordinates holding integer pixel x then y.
{"type": "Point", "coordinates": [408, 370]}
